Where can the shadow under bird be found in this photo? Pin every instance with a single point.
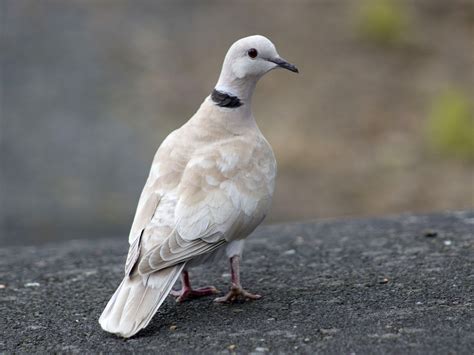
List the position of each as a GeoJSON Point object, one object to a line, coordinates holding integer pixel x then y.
{"type": "Point", "coordinates": [210, 185]}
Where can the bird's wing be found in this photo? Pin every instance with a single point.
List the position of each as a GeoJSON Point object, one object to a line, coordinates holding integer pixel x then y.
{"type": "Point", "coordinates": [147, 204]}
{"type": "Point", "coordinates": [164, 176]}
{"type": "Point", "coordinates": [218, 200]}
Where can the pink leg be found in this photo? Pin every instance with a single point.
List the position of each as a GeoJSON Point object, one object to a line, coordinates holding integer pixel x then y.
{"type": "Point", "coordinates": [236, 291]}
{"type": "Point", "coordinates": [187, 292]}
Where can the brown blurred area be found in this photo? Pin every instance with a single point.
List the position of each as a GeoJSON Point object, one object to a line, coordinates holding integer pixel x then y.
{"type": "Point", "coordinates": [90, 89]}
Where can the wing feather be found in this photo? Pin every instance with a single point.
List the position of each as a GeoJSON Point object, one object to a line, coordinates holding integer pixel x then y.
{"type": "Point", "coordinates": [218, 197]}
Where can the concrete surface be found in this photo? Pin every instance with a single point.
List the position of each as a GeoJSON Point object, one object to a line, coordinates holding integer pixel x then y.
{"type": "Point", "coordinates": [389, 285]}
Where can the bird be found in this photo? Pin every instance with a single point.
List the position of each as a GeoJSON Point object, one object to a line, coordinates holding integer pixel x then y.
{"type": "Point", "coordinates": [210, 185]}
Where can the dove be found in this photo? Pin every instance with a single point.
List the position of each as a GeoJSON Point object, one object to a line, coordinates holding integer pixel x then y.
{"type": "Point", "coordinates": [210, 185]}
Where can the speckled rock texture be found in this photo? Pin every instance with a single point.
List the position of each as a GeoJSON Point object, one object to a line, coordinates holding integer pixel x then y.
{"type": "Point", "coordinates": [387, 285]}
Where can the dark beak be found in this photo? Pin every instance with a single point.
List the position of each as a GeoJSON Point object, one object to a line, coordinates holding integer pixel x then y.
{"type": "Point", "coordinates": [284, 64]}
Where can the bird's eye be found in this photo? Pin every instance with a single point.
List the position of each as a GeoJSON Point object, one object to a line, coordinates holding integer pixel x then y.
{"type": "Point", "coordinates": [252, 52]}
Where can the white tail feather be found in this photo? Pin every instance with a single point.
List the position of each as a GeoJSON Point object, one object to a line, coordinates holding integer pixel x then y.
{"type": "Point", "coordinates": [136, 301]}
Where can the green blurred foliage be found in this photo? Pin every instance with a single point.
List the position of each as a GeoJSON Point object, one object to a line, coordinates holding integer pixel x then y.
{"type": "Point", "coordinates": [451, 125]}
{"type": "Point", "coordinates": [384, 22]}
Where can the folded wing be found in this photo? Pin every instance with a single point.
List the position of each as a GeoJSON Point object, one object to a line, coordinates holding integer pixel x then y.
{"type": "Point", "coordinates": [218, 200]}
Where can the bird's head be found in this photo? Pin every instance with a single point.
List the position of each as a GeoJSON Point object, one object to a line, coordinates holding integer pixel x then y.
{"type": "Point", "coordinates": [247, 60]}
{"type": "Point", "coordinates": [252, 57]}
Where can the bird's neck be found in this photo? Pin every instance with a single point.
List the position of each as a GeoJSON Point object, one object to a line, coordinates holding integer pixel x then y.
{"type": "Point", "coordinates": [232, 92]}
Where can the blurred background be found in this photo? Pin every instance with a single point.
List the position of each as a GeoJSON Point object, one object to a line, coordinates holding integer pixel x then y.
{"type": "Point", "coordinates": [379, 121]}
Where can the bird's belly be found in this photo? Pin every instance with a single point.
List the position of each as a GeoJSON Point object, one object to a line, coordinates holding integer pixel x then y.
{"type": "Point", "coordinates": [208, 258]}
{"type": "Point", "coordinates": [227, 250]}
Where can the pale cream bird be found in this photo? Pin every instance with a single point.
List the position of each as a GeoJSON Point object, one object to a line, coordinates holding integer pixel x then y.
{"type": "Point", "coordinates": [210, 185]}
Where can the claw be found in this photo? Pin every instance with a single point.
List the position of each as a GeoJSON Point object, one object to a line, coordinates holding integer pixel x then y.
{"type": "Point", "coordinates": [188, 293]}
{"type": "Point", "coordinates": [237, 293]}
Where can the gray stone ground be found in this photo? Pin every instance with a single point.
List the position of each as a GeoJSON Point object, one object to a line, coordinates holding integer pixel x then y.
{"type": "Point", "coordinates": [390, 285]}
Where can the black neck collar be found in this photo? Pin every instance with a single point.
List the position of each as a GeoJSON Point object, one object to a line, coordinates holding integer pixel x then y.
{"type": "Point", "coordinates": [222, 99]}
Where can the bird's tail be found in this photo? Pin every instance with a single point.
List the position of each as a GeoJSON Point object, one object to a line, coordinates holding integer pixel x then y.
{"type": "Point", "coordinates": [136, 301]}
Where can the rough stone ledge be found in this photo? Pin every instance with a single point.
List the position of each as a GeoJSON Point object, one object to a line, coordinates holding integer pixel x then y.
{"type": "Point", "coordinates": [386, 285]}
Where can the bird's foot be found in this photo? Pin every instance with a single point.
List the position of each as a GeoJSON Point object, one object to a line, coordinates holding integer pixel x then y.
{"type": "Point", "coordinates": [237, 293]}
{"type": "Point", "coordinates": [188, 293]}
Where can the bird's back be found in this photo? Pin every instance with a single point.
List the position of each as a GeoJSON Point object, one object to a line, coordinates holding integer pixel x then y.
{"type": "Point", "coordinates": [209, 154]}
